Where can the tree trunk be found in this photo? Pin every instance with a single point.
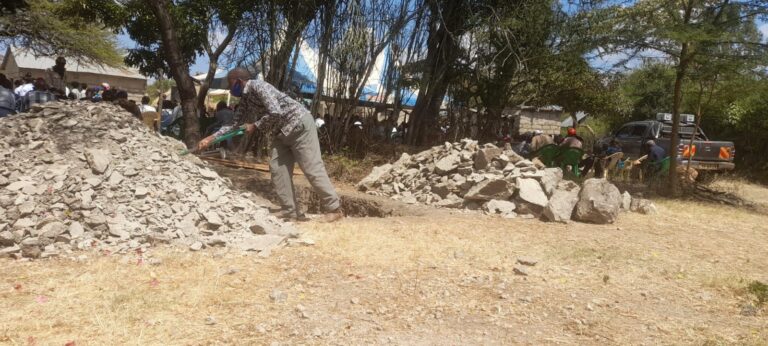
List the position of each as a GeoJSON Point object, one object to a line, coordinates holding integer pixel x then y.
{"type": "Point", "coordinates": [441, 51]}
{"type": "Point", "coordinates": [179, 70]}
{"type": "Point", "coordinates": [278, 64]}
{"type": "Point", "coordinates": [674, 189]}
{"type": "Point", "coordinates": [325, 44]}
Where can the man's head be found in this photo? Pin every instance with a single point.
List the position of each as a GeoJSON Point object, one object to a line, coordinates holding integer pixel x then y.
{"type": "Point", "coordinates": [60, 66]}
{"type": "Point", "coordinates": [537, 132]}
{"type": "Point", "coordinates": [145, 100]}
{"type": "Point", "coordinates": [221, 105]}
{"type": "Point", "coordinates": [649, 144]}
{"type": "Point", "coordinates": [237, 73]}
{"type": "Point", "coordinates": [28, 78]}
{"type": "Point", "coordinates": [236, 79]}
{"type": "Point", "coordinates": [74, 85]}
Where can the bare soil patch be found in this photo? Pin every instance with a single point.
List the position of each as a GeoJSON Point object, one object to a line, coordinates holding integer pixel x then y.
{"type": "Point", "coordinates": [678, 277]}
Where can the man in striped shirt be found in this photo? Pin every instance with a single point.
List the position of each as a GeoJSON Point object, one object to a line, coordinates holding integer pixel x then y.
{"type": "Point", "coordinates": [294, 140]}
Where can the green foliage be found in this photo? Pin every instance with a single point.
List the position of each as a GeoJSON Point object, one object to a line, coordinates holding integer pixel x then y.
{"type": "Point", "coordinates": [196, 23]}
{"type": "Point", "coordinates": [72, 28]}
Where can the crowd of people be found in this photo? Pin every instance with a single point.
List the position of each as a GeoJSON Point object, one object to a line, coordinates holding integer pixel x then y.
{"type": "Point", "coordinates": [21, 94]}
{"type": "Point", "coordinates": [530, 144]}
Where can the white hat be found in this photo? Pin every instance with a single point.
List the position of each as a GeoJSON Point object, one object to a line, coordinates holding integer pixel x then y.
{"type": "Point", "coordinates": [538, 132]}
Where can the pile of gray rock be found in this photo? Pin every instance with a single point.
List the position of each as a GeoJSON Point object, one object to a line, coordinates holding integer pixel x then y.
{"type": "Point", "coordinates": [499, 181]}
{"type": "Point", "coordinates": [80, 175]}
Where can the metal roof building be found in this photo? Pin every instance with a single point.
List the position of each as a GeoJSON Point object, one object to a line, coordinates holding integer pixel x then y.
{"type": "Point", "coordinates": [18, 62]}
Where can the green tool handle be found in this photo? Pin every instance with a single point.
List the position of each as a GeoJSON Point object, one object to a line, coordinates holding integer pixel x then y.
{"type": "Point", "coordinates": [231, 134]}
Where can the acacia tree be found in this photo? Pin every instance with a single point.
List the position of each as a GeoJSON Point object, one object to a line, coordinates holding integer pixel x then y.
{"type": "Point", "coordinates": [74, 28]}
{"type": "Point", "coordinates": [683, 31]}
{"type": "Point", "coordinates": [188, 29]}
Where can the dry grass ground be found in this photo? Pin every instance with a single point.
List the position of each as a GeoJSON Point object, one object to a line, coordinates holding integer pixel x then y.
{"type": "Point", "coordinates": [674, 278]}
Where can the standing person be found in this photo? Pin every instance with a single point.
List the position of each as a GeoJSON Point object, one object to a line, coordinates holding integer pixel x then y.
{"type": "Point", "coordinates": [145, 107]}
{"type": "Point", "coordinates": [294, 141]}
{"type": "Point", "coordinates": [56, 76]}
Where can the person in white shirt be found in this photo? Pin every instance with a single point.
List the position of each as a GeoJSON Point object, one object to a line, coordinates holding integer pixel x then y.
{"type": "Point", "coordinates": [23, 89]}
{"type": "Point", "coordinates": [145, 107]}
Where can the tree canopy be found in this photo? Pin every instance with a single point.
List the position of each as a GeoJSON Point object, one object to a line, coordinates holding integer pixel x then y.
{"type": "Point", "coordinates": [74, 28]}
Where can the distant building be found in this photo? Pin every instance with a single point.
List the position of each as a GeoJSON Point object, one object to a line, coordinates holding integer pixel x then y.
{"type": "Point", "coordinates": [18, 62]}
{"type": "Point", "coordinates": [529, 119]}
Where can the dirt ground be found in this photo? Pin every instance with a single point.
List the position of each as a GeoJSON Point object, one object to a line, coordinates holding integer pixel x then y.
{"type": "Point", "coordinates": [678, 277]}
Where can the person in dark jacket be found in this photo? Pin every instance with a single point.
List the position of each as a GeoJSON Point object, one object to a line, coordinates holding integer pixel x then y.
{"type": "Point", "coordinates": [656, 155]}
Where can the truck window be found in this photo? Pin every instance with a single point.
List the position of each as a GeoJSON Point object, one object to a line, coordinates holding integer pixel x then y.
{"type": "Point", "coordinates": [631, 131]}
{"type": "Point", "coordinates": [625, 132]}
{"type": "Point", "coordinates": [639, 130]}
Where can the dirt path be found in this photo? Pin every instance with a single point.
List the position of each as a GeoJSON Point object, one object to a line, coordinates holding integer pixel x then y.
{"type": "Point", "coordinates": [440, 278]}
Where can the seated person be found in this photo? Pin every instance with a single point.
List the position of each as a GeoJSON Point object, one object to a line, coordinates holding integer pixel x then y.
{"type": "Point", "coordinates": [656, 154]}
{"type": "Point", "coordinates": [166, 114]}
{"type": "Point", "coordinates": [145, 107]}
{"type": "Point", "coordinates": [40, 94]}
{"type": "Point", "coordinates": [224, 116]}
{"type": "Point", "coordinates": [613, 148]}
{"type": "Point", "coordinates": [573, 140]}
{"type": "Point", "coordinates": [540, 140]}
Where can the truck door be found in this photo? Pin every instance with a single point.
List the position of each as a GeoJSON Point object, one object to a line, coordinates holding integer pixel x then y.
{"type": "Point", "coordinates": [631, 137]}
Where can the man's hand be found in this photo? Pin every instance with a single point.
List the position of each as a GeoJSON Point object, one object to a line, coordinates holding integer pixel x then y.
{"type": "Point", "coordinates": [249, 128]}
{"type": "Point", "coordinates": [205, 142]}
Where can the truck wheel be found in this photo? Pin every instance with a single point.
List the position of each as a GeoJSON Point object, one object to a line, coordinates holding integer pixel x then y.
{"type": "Point", "coordinates": [707, 177]}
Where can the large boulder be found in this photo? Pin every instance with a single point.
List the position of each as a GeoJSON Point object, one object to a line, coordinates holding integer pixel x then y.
{"type": "Point", "coordinates": [550, 178]}
{"type": "Point", "coordinates": [447, 164]}
{"type": "Point", "coordinates": [489, 189]}
{"type": "Point", "coordinates": [483, 157]}
{"type": "Point", "coordinates": [599, 202]}
{"type": "Point", "coordinates": [530, 191]}
{"type": "Point", "coordinates": [497, 206]}
{"type": "Point", "coordinates": [642, 206]}
{"type": "Point", "coordinates": [374, 179]}
{"type": "Point", "coordinates": [562, 202]}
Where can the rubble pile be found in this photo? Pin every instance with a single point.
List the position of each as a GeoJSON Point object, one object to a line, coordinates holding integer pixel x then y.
{"type": "Point", "coordinates": [83, 175]}
{"type": "Point", "coordinates": [499, 181]}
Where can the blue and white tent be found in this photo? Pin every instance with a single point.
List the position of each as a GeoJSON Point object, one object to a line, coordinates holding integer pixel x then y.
{"type": "Point", "coordinates": [305, 77]}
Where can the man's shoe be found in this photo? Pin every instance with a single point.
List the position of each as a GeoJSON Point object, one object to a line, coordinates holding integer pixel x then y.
{"type": "Point", "coordinates": [333, 216]}
{"type": "Point", "coordinates": [301, 218]}
{"type": "Point", "coordinates": [292, 216]}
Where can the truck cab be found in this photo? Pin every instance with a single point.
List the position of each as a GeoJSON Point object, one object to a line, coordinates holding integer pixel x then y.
{"type": "Point", "coordinates": [704, 154]}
